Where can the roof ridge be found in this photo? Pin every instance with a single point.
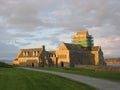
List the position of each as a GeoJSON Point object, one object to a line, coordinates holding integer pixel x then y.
{"type": "Point", "coordinates": [30, 48]}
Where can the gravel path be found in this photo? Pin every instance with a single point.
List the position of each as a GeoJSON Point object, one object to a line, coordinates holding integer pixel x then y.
{"type": "Point", "coordinates": [95, 82]}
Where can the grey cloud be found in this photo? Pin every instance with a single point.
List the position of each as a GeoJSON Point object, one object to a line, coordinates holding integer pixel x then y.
{"type": "Point", "coordinates": [111, 44]}
{"type": "Point", "coordinates": [23, 35]}
{"type": "Point", "coordinates": [51, 40]}
{"type": "Point", "coordinates": [22, 43]}
{"type": "Point", "coordinates": [72, 14]}
{"type": "Point", "coordinates": [24, 15]}
{"type": "Point", "coordinates": [104, 31]}
{"type": "Point", "coordinates": [8, 51]}
{"type": "Point", "coordinates": [96, 13]}
{"type": "Point", "coordinates": [63, 16]}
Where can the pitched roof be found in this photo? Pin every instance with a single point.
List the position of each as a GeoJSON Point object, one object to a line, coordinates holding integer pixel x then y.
{"type": "Point", "coordinates": [72, 46]}
{"type": "Point", "coordinates": [82, 32]}
{"type": "Point", "coordinates": [53, 52]}
{"type": "Point", "coordinates": [30, 51]}
{"type": "Point", "coordinates": [93, 48]}
{"type": "Point", "coordinates": [77, 47]}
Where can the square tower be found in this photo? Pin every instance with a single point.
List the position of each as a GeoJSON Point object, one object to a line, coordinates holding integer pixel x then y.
{"type": "Point", "coordinates": [83, 39]}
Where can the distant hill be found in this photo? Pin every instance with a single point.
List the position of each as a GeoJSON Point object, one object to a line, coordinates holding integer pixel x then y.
{"type": "Point", "coordinates": [2, 64]}
{"type": "Point", "coordinates": [6, 61]}
{"type": "Point", "coordinates": [112, 60]}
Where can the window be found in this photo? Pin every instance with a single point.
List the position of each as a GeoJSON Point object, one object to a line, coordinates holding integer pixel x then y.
{"type": "Point", "coordinates": [27, 53]}
{"type": "Point", "coordinates": [24, 53]}
{"type": "Point", "coordinates": [62, 56]}
{"type": "Point", "coordinates": [51, 55]}
{"type": "Point", "coordinates": [36, 53]}
{"type": "Point", "coordinates": [33, 53]}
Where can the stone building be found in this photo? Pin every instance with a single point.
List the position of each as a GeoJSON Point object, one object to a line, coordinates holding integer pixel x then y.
{"type": "Point", "coordinates": [35, 57]}
{"type": "Point", "coordinates": [72, 54]}
{"type": "Point", "coordinates": [80, 52]}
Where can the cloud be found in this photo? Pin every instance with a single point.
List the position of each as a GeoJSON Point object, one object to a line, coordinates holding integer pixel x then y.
{"type": "Point", "coordinates": [28, 23]}
{"type": "Point", "coordinates": [24, 15]}
{"type": "Point", "coordinates": [104, 31]}
{"type": "Point", "coordinates": [110, 46]}
{"type": "Point", "coordinates": [72, 14]}
{"type": "Point", "coordinates": [8, 52]}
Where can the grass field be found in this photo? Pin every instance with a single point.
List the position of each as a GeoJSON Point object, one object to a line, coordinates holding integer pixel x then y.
{"type": "Point", "coordinates": [19, 79]}
{"type": "Point", "coordinates": [114, 76]}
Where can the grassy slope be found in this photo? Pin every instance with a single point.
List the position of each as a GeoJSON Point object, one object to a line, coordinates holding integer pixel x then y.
{"type": "Point", "coordinates": [114, 76]}
{"type": "Point", "coordinates": [18, 79]}
{"type": "Point", "coordinates": [5, 65]}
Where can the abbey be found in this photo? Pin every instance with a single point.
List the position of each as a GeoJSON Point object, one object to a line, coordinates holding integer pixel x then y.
{"type": "Point", "coordinates": [80, 52]}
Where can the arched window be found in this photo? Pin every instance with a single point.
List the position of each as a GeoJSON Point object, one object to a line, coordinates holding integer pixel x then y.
{"type": "Point", "coordinates": [27, 53]}
{"type": "Point", "coordinates": [33, 53]}
{"type": "Point", "coordinates": [37, 53]}
{"type": "Point", "coordinates": [24, 53]}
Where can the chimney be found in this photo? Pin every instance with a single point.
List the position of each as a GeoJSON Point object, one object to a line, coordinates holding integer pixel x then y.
{"type": "Point", "coordinates": [43, 47]}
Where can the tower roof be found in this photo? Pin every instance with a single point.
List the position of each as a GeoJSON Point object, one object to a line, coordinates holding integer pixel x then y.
{"type": "Point", "coordinates": [82, 32]}
{"type": "Point", "coordinates": [83, 38]}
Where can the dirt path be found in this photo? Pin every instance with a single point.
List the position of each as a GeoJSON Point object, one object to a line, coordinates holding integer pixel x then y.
{"type": "Point", "coordinates": [97, 83]}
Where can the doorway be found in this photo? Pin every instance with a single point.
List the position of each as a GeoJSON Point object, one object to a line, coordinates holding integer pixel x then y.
{"type": "Point", "coordinates": [62, 64]}
{"type": "Point", "coordinates": [32, 64]}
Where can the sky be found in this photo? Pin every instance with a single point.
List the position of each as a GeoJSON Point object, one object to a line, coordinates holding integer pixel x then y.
{"type": "Point", "coordinates": [33, 23]}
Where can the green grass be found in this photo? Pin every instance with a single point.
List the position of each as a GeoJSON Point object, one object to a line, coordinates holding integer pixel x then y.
{"type": "Point", "coordinates": [114, 76]}
{"type": "Point", "coordinates": [19, 79]}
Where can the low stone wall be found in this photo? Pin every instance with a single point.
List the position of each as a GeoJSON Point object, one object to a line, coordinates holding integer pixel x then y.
{"type": "Point", "coordinates": [99, 68]}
